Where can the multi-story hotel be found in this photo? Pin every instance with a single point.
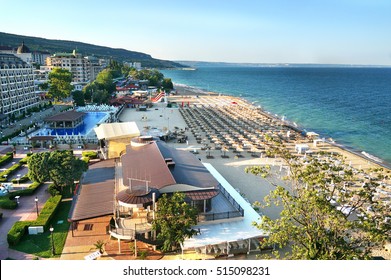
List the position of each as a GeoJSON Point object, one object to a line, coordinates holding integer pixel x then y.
{"type": "Point", "coordinates": [74, 62]}
{"type": "Point", "coordinates": [83, 69]}
{"type": "Point", "coordinates": [17, 90]}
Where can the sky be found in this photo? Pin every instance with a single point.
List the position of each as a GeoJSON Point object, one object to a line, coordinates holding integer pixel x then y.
{"type": "Point", "coordinates": [246, 31]}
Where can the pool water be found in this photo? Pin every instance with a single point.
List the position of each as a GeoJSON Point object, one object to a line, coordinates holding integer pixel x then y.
{"type": "Point", "coordinates": [89, 122]}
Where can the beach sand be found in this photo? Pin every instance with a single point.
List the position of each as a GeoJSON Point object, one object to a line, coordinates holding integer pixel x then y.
{"type": "Point", "coordinates": [232, 167]}
{"type": "Point", "coordinates": [159, 117]}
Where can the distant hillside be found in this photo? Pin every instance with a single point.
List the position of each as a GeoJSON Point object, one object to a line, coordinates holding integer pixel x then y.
{"type": "Point", "coordinates": [53, 46]}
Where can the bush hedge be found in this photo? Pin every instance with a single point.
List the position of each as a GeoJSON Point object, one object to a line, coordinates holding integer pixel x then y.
{"type": "Point", "coordinates": [53, 191]}
{"type": "Point", "coordinates": [8, 202]}
{"type": "Point", "coordinates": [6, 173]}
{"type": "Point", "coordinates": [19, 229]}
{"type": "Point", "coordinates": [6, 158]}
{"type": "Point", "coordinates": [25, 159]}
{"type": "Point", "coordinates": [22, 179]}
{"type": "Point", "coordinates": [90, 154]}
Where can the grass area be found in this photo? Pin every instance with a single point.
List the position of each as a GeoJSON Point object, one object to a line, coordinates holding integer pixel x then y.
{"type": "Point", "coordinates": [40, 244]}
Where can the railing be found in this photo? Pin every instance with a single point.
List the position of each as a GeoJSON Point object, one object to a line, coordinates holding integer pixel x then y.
{"type": "Point", "coordinates": [202, 217]}
{"type": "Point", "coordinates": [122, 231]}
{"type": "Point", "coordinates": [141, 237]}
{"type": "Point", "coordinates": [231, 200]}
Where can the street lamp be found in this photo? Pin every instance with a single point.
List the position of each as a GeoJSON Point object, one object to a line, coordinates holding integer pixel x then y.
{"type": "Point", "coordinates": [36, 204]}
{"type": "Point", "coordinates": [51, 234]}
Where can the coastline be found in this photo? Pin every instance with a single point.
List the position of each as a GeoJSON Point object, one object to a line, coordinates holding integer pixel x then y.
{"type": "Point", "coordinates": [187, 93]}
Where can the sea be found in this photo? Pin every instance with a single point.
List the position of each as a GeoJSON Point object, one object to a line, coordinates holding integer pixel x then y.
{"type": "Point", "coordinates": [349, 104]}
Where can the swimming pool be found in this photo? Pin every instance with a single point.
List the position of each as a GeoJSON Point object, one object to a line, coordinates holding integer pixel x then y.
{"type": "Point", "coordinates": [91, 119]}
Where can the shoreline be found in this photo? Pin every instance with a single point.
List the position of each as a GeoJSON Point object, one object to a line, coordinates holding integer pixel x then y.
{"type": "Point", "coordinates": [191, 91]}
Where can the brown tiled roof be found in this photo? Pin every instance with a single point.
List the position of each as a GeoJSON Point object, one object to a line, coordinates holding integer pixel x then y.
{"type": "Point", "coordinates": [127, 197]}
{"type": "Point", "coordinates": [202, 195]}
{"type": "Point", "coordinates": [95, 196]}
{"type": "Point", "coordinates": [165, 166]}
{"type": "Point", "coordinates": [65, 116]}
{"type": "Point", "coordinates": [146, 163]}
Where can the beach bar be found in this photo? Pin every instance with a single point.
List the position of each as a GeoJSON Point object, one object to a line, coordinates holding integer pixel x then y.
{"type": "Point", "coordinates": [69, 119]}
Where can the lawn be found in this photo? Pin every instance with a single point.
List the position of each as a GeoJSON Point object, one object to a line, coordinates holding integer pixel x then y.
{"type": "Point", "coordinates": [40, 244]}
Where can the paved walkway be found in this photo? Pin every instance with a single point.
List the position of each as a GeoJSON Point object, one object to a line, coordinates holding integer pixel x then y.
{"type": "Point", "coordinates": [34, 118]}
{"type": "Point", "coordinates": [26, 210]}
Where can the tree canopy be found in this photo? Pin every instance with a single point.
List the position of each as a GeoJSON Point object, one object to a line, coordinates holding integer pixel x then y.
{"type": "Point", "coordinates": [61, 167]}
{"type": "Point", "coordinates": [60, 83]}
{"type": "Point", "coordinates": [174, 219]}
{"type": "Point", "coordinates": [167, 84]}
{"type": "Point", "coordinates": [78, 97]}
{"type": "Point", "coordinates": [154, 77]}
{"type": "Point", "coordinates": [324, 213]}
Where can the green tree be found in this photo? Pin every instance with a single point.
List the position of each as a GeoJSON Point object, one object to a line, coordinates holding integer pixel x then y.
{"type": "Point", "coordinates": [38, 167]}
{"type": "Point", "coordinates": [43, 86]}
{"type": "Point", "coordinates": [104, 81]}
{"type": "Point", "coordinates": [100, 96]}
{"type": "Point", "coordinates": [61, 167]}
{"type": "Point", "coordinates": [167, 84]}
{"type": "Point", "coordinates": [60, 83]}
{"type": "Point", "coordinates": [319, 213]}
{"type": "Point", "coordinates": [174, 219]}
{"type": "Point", "coordinates": [88, 90]}
{"type": "Point", "coordinates": [78, 97]}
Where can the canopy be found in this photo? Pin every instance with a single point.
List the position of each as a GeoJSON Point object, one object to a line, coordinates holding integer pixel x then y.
{"type": "Point", "coordinates": [117, 130]}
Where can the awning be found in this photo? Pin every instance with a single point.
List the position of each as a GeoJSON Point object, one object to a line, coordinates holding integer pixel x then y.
{"type": "Point", "coordinates": [117, 130]}
{"type": "Point", "coordinates": [95, 196]}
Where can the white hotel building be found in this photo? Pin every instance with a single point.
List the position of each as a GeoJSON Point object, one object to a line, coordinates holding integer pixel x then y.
{"type": "Point", "coordinates": [17, 90]}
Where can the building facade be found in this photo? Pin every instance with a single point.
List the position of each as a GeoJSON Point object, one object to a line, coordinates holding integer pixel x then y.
{"type": "Point", "coordinates": [83, 69]}
{"type": "Point", "coordinates": [74, 62]}
{"type": "Point", "coordinates": [17, 91]}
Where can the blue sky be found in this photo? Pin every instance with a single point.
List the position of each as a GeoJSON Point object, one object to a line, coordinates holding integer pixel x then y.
{"type": "Point", "coordinates": [259, 31]}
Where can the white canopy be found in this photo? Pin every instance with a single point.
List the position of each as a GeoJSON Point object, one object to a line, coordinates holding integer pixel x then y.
{"type": "Point", "coordinates": [227, 230]}
{"type": "Point", "coordinates": [117, 130]}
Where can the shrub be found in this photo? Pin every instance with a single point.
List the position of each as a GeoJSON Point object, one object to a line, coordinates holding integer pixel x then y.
{"type": "Point", "coordinates": [143, 255]}
{"type": "Point", "coordinates": [17, 231]}
{"type": "Point", "coordinates": [20, 228]}
{"type": "Point", "coordinates": [9, 171]}
{"type": "Point", "coordinates": [22, 179]}
{"type": "Point", "coordinates": [8, 202]}
{"type": "Point", "coordinates": [90, 154]}
{"type": "Point", "coordinates": [85, 159]}
{"type": "Point", "coordinates": [53, 191]}
{"type": "Point", "coordinates": [6, 158]}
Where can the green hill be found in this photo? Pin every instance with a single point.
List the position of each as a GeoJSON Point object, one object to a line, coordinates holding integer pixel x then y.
{"type": "Point", "coordinates": [53, 46]}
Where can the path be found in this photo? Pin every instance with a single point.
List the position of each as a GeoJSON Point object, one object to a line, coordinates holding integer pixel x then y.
{"type": "Point", "coordinates": [25, 211]}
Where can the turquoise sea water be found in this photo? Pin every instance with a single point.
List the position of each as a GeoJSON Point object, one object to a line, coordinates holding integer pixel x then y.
{"type": "Point", "coordinates": [352, 105]}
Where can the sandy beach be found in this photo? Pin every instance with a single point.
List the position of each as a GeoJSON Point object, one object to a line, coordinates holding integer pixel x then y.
{"type": "Point", "coordinates": [232, 165]}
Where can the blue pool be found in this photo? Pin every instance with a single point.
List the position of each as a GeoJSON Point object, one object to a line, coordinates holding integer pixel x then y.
{"type": "Point", "coordinates": [89, 122]}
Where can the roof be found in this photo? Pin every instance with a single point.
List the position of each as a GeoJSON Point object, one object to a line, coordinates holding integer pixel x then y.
{"type": "Point", "coordinates": [128, 198]}
{"type": "Point", "coordinates": [95, 195]}
{"type": "Point", "coordinates": [65, 116]}
{"type": "Point", "coordinates": [229, 230]}
{"type": "Point", "coordinates": [166, 167]}
{"type": "Point", "coordinates": [146, 163]}
{"type": "Point", "coordinates": [117, 130]}
{"type": "Point", "coordinates": [23, 49]}
{"type": "Point", "coordinates": [188, 168]}
{"type": "Point", "coordinates": [202, 195]}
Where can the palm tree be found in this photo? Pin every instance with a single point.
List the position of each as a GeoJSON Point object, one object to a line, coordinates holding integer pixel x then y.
{"type": "Point", "coordinates": [100, 244]}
